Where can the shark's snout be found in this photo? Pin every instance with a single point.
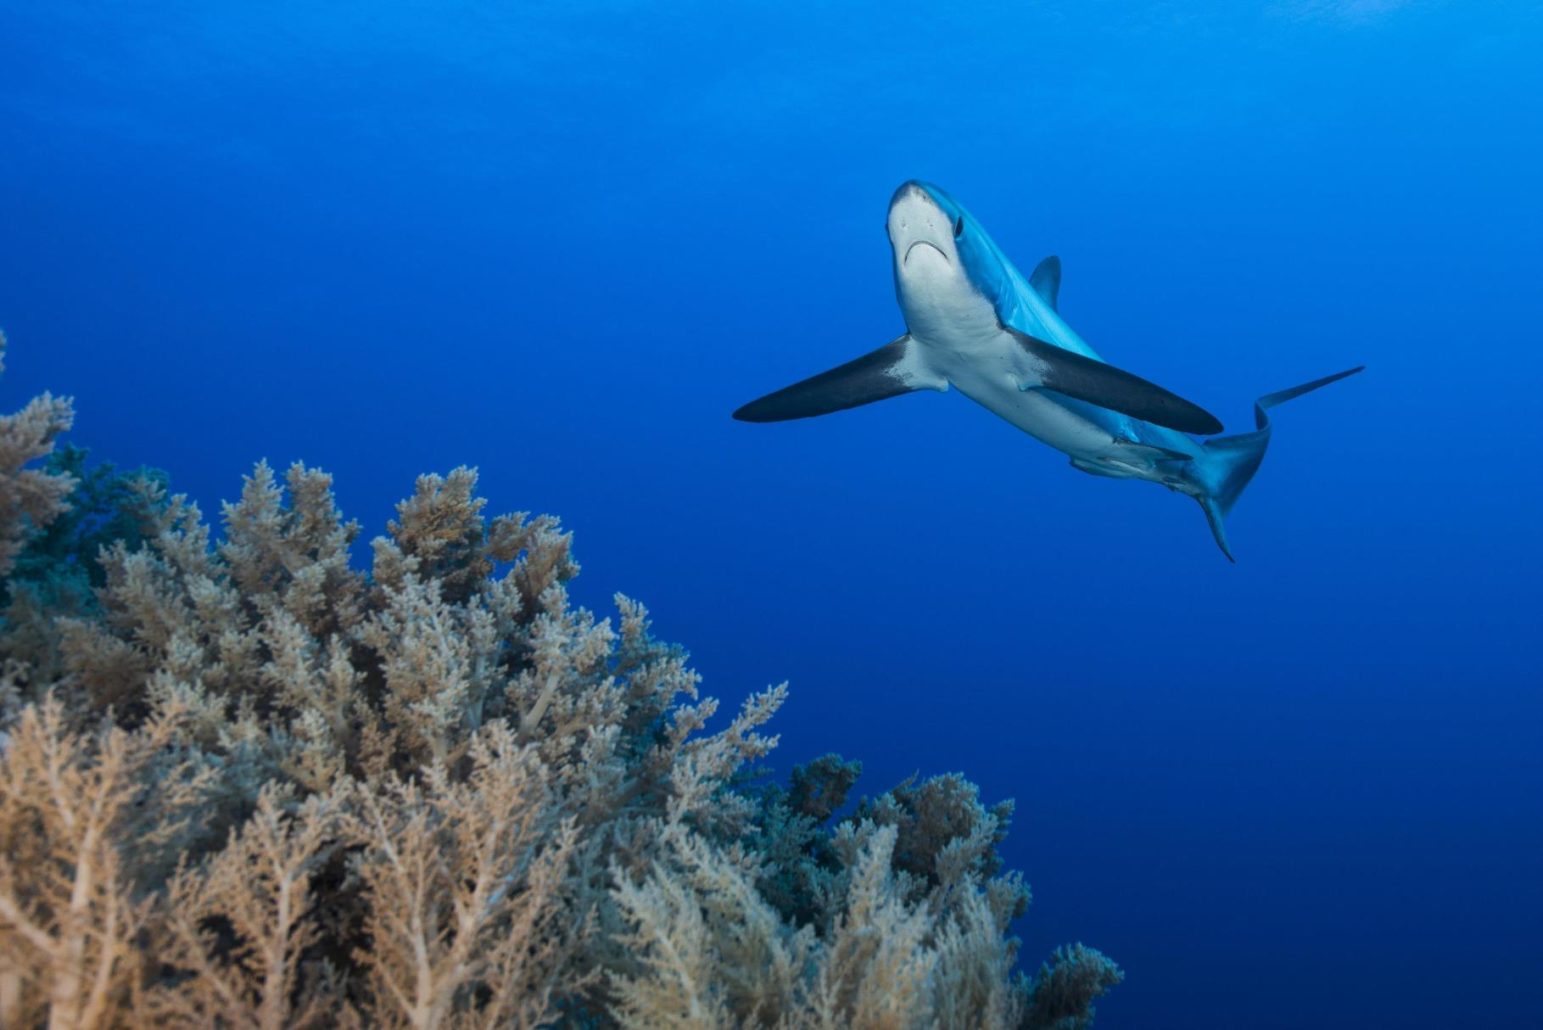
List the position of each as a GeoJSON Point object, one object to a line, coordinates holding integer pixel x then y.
{"type": "Point", "coordinates": [911, 189]}
{"type": "Point", "coordinates": [913, 209]}
{"type": "Point", "coordinates": [916, 220]}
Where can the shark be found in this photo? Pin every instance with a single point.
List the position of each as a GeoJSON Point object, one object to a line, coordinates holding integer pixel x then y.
{"type": "Point", "coordinates": [974, 323]}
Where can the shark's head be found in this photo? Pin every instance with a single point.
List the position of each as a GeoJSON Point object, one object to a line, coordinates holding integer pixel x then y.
{"type": "Point", "coordinates": [947, 270]}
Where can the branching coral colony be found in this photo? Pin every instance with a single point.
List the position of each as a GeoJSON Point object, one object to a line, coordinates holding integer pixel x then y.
{"type": "Point", "coordinates": [244, 784]}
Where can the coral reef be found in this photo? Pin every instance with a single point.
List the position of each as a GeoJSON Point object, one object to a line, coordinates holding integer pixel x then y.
{"type": "Point", "coordinates": [246, 784]}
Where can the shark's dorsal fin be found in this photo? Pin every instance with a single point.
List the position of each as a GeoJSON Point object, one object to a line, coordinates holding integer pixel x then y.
{"type": "Point", "coordinates": [894, 369]}
{"type": "Point", "coordinates": [1046, 280]}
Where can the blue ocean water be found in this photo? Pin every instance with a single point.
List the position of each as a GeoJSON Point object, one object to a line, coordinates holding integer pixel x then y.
{"type": "Point", "coordinates": [563, 241]}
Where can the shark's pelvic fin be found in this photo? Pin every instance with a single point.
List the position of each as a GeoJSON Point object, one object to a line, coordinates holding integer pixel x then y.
{"type": "Point", "coordinates": [1151, 452]}
{"type": "Point", "coordinates": [1131, 459]}
{"type": "Point", "coordinates": [1233, 460]}
{"type": "Point", "coordinates": [1091, 380]}
{"type": "Point", "coordinates": [1046, 280]}
{"type": "Point", "coordinates": [894, 369]}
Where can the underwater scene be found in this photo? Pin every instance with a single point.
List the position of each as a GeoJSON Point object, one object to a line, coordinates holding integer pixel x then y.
{"type": "Point", "coordinates": [844, 347]}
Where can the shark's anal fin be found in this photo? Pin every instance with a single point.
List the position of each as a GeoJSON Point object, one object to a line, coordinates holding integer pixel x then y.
{"type": "Point", "coordinates": [1046, 280]}
{"type": "Point", "coordinates": [894, 369]}
{"type": "Point", "coordinates": [1088, 379]}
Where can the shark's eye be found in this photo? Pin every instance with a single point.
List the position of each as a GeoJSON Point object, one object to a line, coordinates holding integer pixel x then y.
{"type": "Point", "coordinates": [959, 227]}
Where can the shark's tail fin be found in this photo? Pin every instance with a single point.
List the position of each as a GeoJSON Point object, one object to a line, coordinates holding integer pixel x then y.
{"type": "Point", "coordinates": [1233, 460]}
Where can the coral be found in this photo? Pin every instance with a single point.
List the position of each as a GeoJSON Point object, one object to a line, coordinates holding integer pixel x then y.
{"type": "Point", "coordinates": [238, 927]}
{"type": "Point", "coordinates": [244, 783]}
{"type": "Point", "coordinates": [946, 840]}
{"type": "Point", "coordinates": [818, 789]}
{"type": "Point", "coordinates": [56, 574]}
{"type": "Point", "coordinates": [1064, 991]}
{"type": "Point", "coordinates": [85, 819]}
{"type": "Point", "coordinates": [30, 498]}
{"type": "Point", "coordinates": [105, 506]}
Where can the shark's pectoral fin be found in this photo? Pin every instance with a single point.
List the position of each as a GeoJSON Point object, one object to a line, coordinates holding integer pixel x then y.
{"type": "Point", "coordinates": [1046, 279]}
{"type": "Point", "coordinates": [894, 369]}
{"type": "Point", "coordinates": [1087, 379]}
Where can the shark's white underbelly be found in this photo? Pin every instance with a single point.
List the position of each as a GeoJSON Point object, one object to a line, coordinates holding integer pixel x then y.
{"type": "Point", "coordinates": [982, 368]}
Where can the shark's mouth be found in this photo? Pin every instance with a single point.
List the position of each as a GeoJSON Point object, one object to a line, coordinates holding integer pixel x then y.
{"type": "Point", "coordinates": [922, 243]}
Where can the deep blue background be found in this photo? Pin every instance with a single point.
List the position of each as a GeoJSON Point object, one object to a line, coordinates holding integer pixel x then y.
{"type": "Point", "coordinates": [563, 241]}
